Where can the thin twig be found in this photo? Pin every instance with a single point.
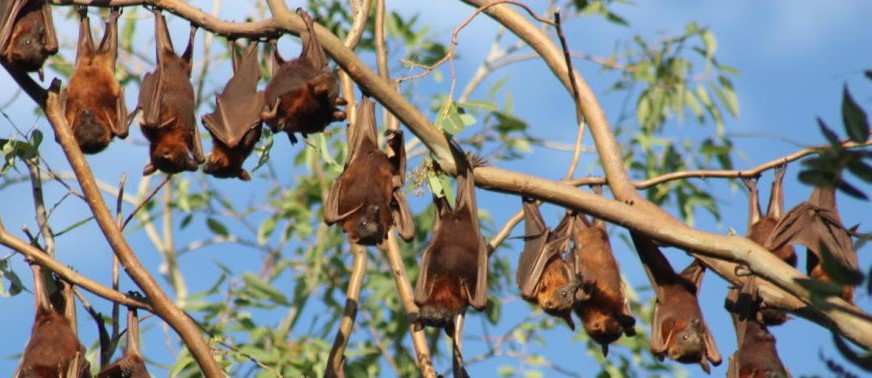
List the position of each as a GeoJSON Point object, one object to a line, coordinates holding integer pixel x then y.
{"type": "Point", "coordinates": [576, 99]}
{"type": "Point", "coordinates": [336, 359]}
{"type": "Point", "coordinates": [731, 174]}
{"type": "Point", "coordinates": [144, 201]}
{"type": "Point", "coordinates": [39, 206]}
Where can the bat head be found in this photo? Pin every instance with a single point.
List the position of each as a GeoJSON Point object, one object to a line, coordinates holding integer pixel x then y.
{"type": "Point", "coordinates": [171, 157]}
{"type": "Point", "coordinates": [562, 300]}
{"type": "Point", "coordinates": [688, 344]}
{"type": "Point", "coordinates": [91, 133]}
{"type": "Point", "coordinates": [437, 316]}
{"type": "Point", "coordinates": [368, 229]}
{"type": "Point", "coordinates": [29, 52]}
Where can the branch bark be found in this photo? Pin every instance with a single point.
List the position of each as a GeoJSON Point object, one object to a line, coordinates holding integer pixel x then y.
{"type": "Point", "coordinates": [163, 307]}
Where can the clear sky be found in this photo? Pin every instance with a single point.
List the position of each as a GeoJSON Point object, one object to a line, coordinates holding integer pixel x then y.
{"type": "Point", "coordinates": [794, 58]}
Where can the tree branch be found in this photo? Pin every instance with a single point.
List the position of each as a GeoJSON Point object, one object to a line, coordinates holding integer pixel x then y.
{"type": "Point", "coordinates": [34, 254]}
{"type": "Point", "coordinates": [163, 307]}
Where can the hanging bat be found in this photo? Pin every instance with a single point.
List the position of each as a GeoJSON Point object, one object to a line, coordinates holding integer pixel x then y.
{"type": "Point", "coordinates": [166, 98]}
{"type": "Point", "coordinates": [302, 95]}
{"type": "Point", "coordinates": [756, 355]}
{"type": "Point", "coordinates": [760, 228]}
{"type": "Point", "coordinates": [602, 302]}
{"type": "Point", "coordinates": [678, 330]}
{"type": "Point", "coordinates": [94, 101]}
{"type": "Point", "coordinates": [543, 276]}
{"type": "Point", "coordinates": [235, 124]}
{"type": "Point", "coordinates": [817, 225]}
{"type": "Point", "coordinates": [131, 364]}
{"type": "Point", "coordinates": [27, 34]}
{"type": "Point", "coordinates": [453, 271]}
{"type": "Point", "coordinates": [368, 197]}
{"type": "Point", "coordinates": [54, 349]}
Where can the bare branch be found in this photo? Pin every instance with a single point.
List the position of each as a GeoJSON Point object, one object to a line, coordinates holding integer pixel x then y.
{"type": "Point", "coordinates": [336, 359]}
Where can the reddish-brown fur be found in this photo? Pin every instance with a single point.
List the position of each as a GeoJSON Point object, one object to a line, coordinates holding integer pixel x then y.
{"type": "Point", "coordinates": [27, 37]}
{"type": "Point", "coordinates": [678, 328]}
{"type": "Point", "coordinates": [303, 93]}
{"type": "Point", "coordinates": [367, 199]}
{"type": "Point", "coordinates": [131, 364]}
{"type": "Point", "coordinates": [53, 344]}
{"type": "Point", "coordinates": [94, 101]}
{"type": "Point", "coordinates": [756, 355]}
{"type": "Point", "coordinates": [167, 100]}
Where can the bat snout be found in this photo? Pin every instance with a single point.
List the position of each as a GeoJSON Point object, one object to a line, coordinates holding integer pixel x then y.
{"type": "Point", "coordinates": [90, 132]}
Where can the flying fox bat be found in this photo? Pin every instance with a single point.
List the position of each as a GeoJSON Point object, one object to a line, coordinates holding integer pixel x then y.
{"type": "Point", "coordinates": [94, 101]}
{"type": "Point", "coordinates": [543, 275]}
{"type": "Point", "coordinates": [678, 328]}
{"type": "Point", "coordinates": [368, 197]}
{"type": "Point", "coordinates": [167, 102]}
{"type": "Point", "coordinates": [131, 364]}
{"type": "Point", "coordinates": [302, 95]}
{"type": "Point", "coordinates": [817, 225]}
{"type": "Point", "coordinates": [760, 228]}
{"type": "Point", "coordinates": [453, 271]}
{"type": "Point", "coordinates": [27, 34]}
{"type": "Point", "coordinates": [54, 349]}
{"type": "Point", "coordinates": [756, 355]}
{"type": "Point", "coordinates": [235, 124]}
{"type": "Point", "coordinates": [602, 302]}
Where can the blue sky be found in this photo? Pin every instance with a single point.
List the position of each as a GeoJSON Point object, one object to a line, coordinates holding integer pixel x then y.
{"type": "Point", "coordinates": [794, 58]}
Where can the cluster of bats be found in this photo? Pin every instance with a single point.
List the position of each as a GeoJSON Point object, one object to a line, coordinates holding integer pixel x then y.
{"type": "Point", "coordinates": [301, 96]}
{"type": "Point", "coordinates": [565, 270]}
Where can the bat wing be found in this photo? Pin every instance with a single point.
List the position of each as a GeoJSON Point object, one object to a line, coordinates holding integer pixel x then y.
{"type": "Point", "coordinates": [312, 50]}
{"type": "Point", "coordinates": [403, 216]}
{"type": "Point", "coordinates": [10, 10]}
{"type": "Point", "coordinates": [711, 349]}
{"type": "Point", "coordinates": [150, 97]}
{"type": "Point", "coordinates": [239, 104]}
{"type": "Point", "coordinates": [396, 153]}
{"type": "Point", "coordinates": [363, 135]}
{"type": "Point", "coordinates": [423, 286]}
{"type": "Point", "coordinates": [814, 227]}
{"type": "Point", "coordinates": [658, 343]}
{"type": "Point", "coordinates": [466, 201]}
{"type": "Point", "coordinates": [693, 275]}
{"type": "Point", "coordinates": [50, 39]}
{"type": "Point", "coordinates": [535, 254]}
{"type": "Point", "coordinates": [479, 299]}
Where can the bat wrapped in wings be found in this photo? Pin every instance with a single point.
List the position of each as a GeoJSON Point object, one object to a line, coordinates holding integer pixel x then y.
{"type": "Point", "coordinates": [602, 301]}
{"type": "Point", "coordinates": [54, 349]}
{"type": "Point", "coordinates": [756, 355]}
{"type": "Point", "coordinates": [167, 102]}
{"type": "Point", "coordinates": [131, 364]}
{"type": "Point", "coordinates": [817, 225]}
{"type": "Point", "coordinates": [544, 276]}
{"type": "Point", "coordinates": [235, 124]}
{"type": "Point", "coordinates": [453, 272]}
{"type": "Point", "coordinates": [94, 101]}
{"type": "Point", "coordinates": [678, 330]}
{"type": "Point", "coordinates": [27, 34]}
{"type": "Point", "coordinates": [760, 228]}
{"type": "Point", "coordinates": [302, 95]}
{"type": "Point", "coordinates": [367, 199]}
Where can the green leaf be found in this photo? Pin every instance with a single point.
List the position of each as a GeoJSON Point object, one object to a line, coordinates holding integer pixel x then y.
{"type": "Point", "coordinates": [216, 227]}
{"type": "Point", "coordinates": [266, 229]}
{"type": "Point", "coordinates": [851, 190]}
{"type": "Point", "coordinates": [325, 152]}
{"type": "Point", "coordinates": [832, 138]}
{"type": "Point", "coordinates": [868, 74]}
{"type": "Point", "coordinates": [711, 43]}
{"type": "Point", "coordinates": [856, 122]}
{"type": "Point", "coordinates": [260, 289]}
